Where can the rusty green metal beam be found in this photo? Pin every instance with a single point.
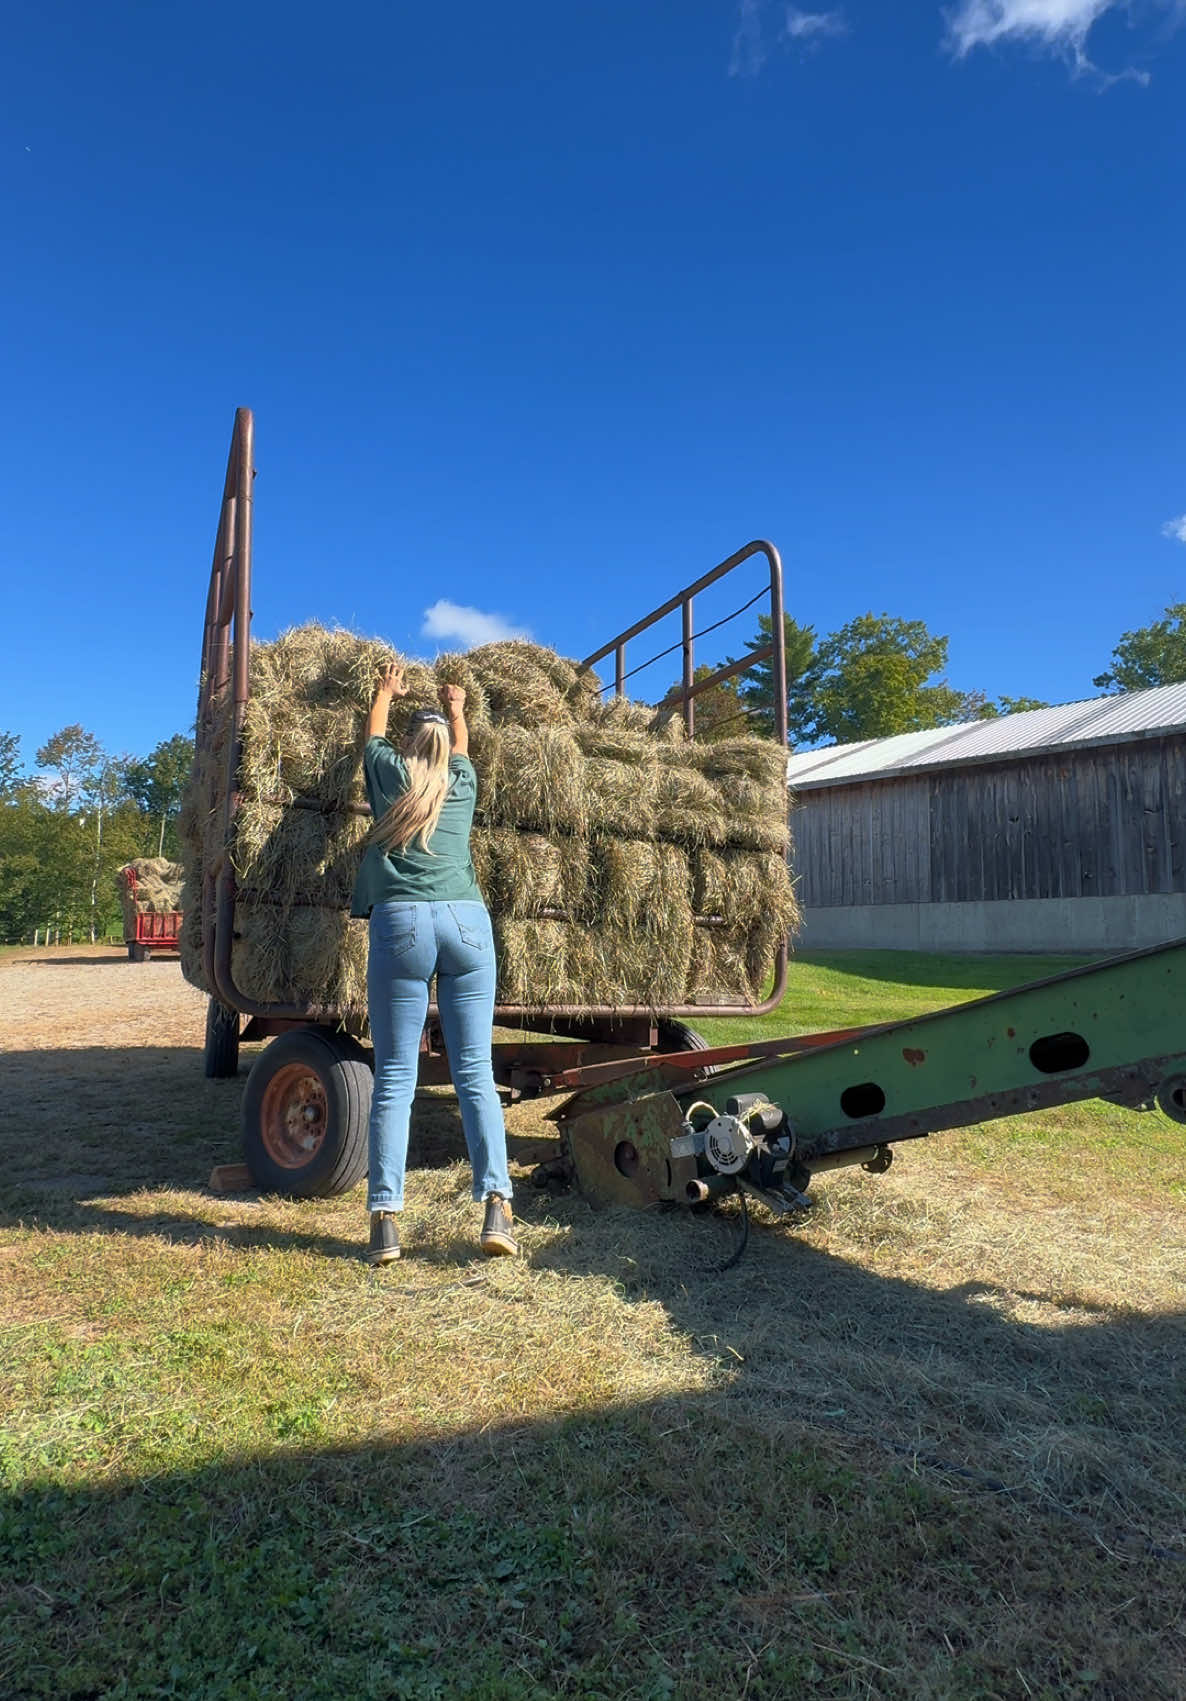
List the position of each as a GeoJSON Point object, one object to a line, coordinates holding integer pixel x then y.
{"type": "Point", "coordinates": [1111, 1029]}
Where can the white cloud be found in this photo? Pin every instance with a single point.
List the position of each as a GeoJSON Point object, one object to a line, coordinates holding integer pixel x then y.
{"type": "Point", "coordinates": [808, 29]}
{"type": "Point", "coordinates": [468, 625]}
{"type": "Point", "coordinates": [1175, 529]}
{"type": "Point", "coordinates": [1059, 26]}
{"type": "Point", "coordinates": [813, 26]}
{"type": "Point", "coordinates": [748, 55]}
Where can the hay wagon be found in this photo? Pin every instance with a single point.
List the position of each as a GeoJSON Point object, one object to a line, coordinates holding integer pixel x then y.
{"type": "Point", "coordinates": [154, 933]}
{"type": "Point", "coordinates": [146, 930]}
{"type": "Point", "coordinates": [306, 1103]}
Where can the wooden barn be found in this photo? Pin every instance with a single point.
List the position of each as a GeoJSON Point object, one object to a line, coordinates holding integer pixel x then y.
{"type": "Point", "coordinates": [1060, 829]}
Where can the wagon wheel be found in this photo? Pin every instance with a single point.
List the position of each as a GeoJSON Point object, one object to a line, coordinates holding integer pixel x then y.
{"type": "Point", "coordinates": [139, 953]}
{"type": "Point", "coordinates": [305, 1112]}
{"type": "Point", "coordinates": [222, 1041]}
{"type": "Point", "coordinates": [678, 1036]}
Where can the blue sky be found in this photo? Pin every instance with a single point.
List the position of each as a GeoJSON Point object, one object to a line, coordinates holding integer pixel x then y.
{"type": "Point", "coordinates": [544, 309]}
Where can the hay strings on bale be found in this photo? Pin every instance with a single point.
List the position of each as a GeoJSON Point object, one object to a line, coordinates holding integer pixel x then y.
{"type": "Point", "coordinates": [622, 863]}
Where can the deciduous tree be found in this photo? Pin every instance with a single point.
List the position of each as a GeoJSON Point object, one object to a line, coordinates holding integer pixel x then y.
{"type": "Point", "coordinates": [156, 784]}
{"type": "Point", "coordinates": [11, 767]}
{"type": "Point", "coordinates": [988, 711]}
{"type": "Point", "coordinates": [876, 676]}
{"type": "Point", "coordinates": [71, 756]}
{"type": "Point", "coordinates": [1150, 655]}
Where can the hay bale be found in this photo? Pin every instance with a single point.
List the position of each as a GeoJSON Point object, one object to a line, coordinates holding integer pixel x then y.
{"type": "Point", "coordinates": [190, 938]}
{"type": "Point", "coordinates": [599, 828]}
{"type": "Point", "coordinates": [621, 796]}
{"type": "Point", "coordinates": [301, 952]}
{"type": "Point", "coordinates": [667, 725]}
{"type": "Point", "coordinates": [758, 759]}
{"type": "Point", "coordinates": [689, 809]}
{"type": "Point", "coordinates": [456, 669]}
{"type": "Point", "coordinates": [618, 741]}
{"type": "Point", "coordinates": [645, 968]}
{"type": "Point", "coordinates": [621, 714]}
{"type": "Point", "coordinates": [719, 968]}
{"type": "Point", "coordinates": [298, 855]}
{"type": "Point", "coordinates": [730, 885]}
{"type": "Point", "coordinates": [584, 695]}
{"type": "Point", "coordinates": [525, 684]}
{"type": "Point", "coordinates": [751, 899]}
{"type": "Point", "coordinates": [524, 874]}
{"type": "Point", "coordinates": [531, 778]}
{"type": "Point", "coordinates": [551, 962]}
{"type": "Point", "coordinates": [532, 960]}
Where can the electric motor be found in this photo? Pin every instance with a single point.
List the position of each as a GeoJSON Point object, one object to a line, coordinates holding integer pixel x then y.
{"type": "Point", "coordinates": [727, 1144]}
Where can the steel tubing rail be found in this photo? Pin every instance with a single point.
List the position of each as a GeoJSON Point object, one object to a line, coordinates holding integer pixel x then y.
{"type": "Point", "coordinates": [690, 690]}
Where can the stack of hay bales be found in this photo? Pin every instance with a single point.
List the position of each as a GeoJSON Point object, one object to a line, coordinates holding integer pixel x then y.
{"type": "Point", "coordinates": [622, 864]}
{"type": "Point", "coordinates": [154, 889]}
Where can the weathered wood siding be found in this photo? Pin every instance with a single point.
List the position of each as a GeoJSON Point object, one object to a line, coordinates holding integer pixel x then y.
{"type": "Point", "coordinates": [1087, 823]}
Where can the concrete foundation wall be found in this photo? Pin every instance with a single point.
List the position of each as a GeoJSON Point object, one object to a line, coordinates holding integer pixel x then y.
{"type": "Point", "coordinates": [1019, 924]}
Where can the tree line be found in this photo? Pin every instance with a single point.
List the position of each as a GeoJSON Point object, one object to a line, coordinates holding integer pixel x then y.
{"type": "Point", "coordinates": [880, 675]}
{"type": "Point", "coordinates": [68, 825]}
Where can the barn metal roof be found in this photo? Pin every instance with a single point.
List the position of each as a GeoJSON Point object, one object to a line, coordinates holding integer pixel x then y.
{"type": "Point", "coordinates": [1099, 720]}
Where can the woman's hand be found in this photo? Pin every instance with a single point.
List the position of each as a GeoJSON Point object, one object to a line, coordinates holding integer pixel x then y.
{"type": "Point", "coordinates": [391, 685]}
{"type": "Point", "coordinates": [452, 699]}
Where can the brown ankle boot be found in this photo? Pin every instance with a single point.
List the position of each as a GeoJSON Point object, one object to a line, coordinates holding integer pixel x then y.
{"type": "Point", "coordinates": [498, 1229]}
{"type": "Point", "coordinates": [384, 1247]}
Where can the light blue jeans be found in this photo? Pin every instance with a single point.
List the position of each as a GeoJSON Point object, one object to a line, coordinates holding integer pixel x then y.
{"type": "Point", "coordinates": [409, 943]}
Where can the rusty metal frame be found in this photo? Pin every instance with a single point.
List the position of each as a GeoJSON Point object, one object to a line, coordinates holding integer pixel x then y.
{"type": "Point", "coordinates": [225, 670]}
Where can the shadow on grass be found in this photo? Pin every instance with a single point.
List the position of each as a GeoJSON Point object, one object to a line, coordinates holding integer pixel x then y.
{"type": "Point", "coordinates": [111, 957]}
{"type": "Point", "coordinates": [691, 1547]}
{"type": "Point", "coordinates": [85, 1126]}
{"type": "Point", "coordinates": [1074, 1408]}
{"type": "Point", "coordinates": [893, 1490]}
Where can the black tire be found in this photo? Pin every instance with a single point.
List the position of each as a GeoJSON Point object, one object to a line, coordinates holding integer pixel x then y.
{"type": "Point", "coordinates": [1171, 1097]}
{"type": "Point", "coordinates": [678, 1036]}
{"type": "Point", "coordinates": [139, 953]}
{"type": "Point", "coordinates": [222, 1042]}
{"type": "Point", "coordinates": [305, 1112]}
{"type": "Point", "coordinates": [131, 952]}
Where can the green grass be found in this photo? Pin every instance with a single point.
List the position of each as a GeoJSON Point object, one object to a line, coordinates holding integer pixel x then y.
{"type": "Point", "coordinates": [925, 1444]}
{"type": "Point", "coordinates": [843, 989]}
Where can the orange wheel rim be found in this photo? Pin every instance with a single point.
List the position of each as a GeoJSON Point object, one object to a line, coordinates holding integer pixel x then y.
{"type": "Point", "coordinates": [294, 1116]}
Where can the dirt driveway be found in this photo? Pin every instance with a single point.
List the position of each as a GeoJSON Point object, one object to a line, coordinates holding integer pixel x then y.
{"type": "Point", "coordinates": [84, 995]}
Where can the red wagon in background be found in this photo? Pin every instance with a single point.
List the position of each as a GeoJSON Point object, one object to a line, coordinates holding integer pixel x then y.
{"type": "Point", "coordinates": [147, 931]}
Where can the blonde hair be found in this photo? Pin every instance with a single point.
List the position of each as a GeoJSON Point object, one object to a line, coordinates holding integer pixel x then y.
{"type": "Point", "coordinates": [414, 815]}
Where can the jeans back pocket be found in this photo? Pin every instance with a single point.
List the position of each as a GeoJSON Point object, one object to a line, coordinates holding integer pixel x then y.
{"type": "Point", "coordinates": [473, 925]}
{"type": "Point", "coordinates": [395, 928]}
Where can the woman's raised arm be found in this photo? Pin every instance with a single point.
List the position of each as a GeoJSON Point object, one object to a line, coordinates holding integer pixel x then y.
{"type": "Point", "coordinates": [453, 703]}
{"type": "Point", "coordinates": [391, 685]}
